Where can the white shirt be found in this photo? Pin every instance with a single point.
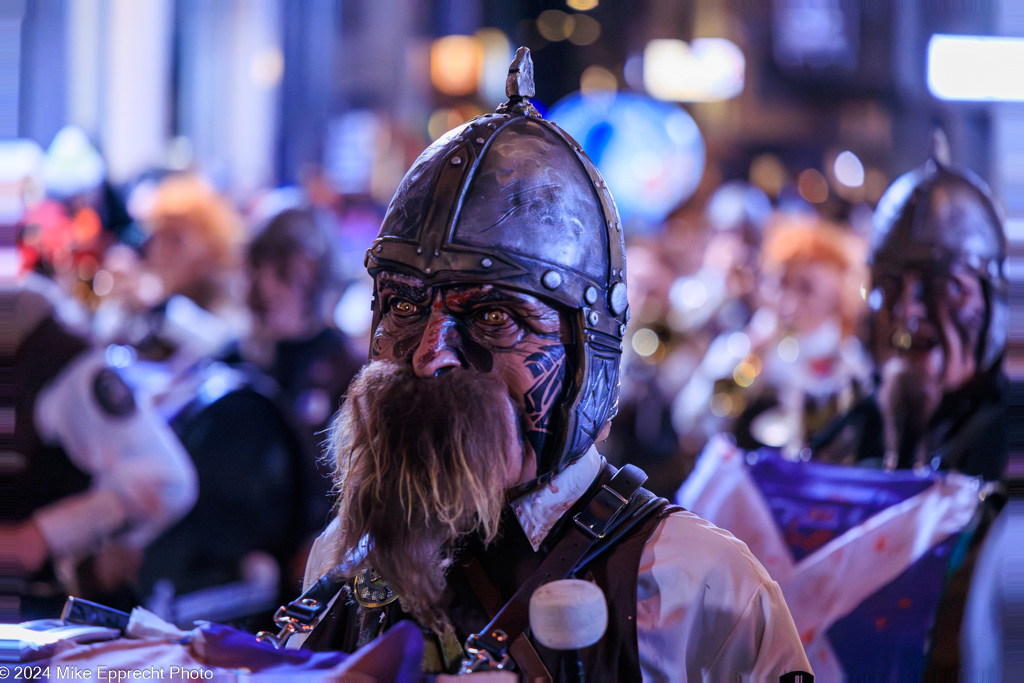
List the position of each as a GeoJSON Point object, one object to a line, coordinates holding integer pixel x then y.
{"type": "Point", "coordinates": [706, 608]}
{"type": "Point", "coordinates": [143, 480]}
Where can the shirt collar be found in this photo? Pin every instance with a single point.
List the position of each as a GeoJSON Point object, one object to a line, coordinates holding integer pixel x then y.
{"type": "Point", "coordinates": [538, 511]}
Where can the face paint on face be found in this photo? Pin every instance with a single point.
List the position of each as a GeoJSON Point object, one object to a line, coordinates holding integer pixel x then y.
{"type": "Point", "coordinates": [484, 328]}
{"type": "Point", "coordinates": [931, 319]}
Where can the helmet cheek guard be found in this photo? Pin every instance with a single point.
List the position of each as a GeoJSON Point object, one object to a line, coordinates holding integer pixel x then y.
{"type": "Point", "coordinates": [510, 199]}
{"type": "Point", "coordinates": [936, 216]}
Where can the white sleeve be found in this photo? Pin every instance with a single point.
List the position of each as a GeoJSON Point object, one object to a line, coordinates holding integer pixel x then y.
{"type": "Point", "coordinates": [142, 478]}
{"type": "Point", "coordinates": [707, 609]}
{"type": "Point", "coordinates": [322, 555]}
{"type": "Point", "coordinates": [322, 558]}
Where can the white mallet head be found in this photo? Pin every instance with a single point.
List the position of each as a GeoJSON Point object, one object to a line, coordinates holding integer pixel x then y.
{"type": "Point", "coordinates": [568, 614]}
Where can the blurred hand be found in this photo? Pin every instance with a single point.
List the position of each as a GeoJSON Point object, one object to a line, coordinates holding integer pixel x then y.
{"type": "Point", "coordinates": [25, 545]}
{"type": "Point", "coordinates": [115, 565]}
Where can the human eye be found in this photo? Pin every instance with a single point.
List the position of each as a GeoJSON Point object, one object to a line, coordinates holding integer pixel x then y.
{"type": "Point", "coordinates": [402, 307]}
{"type": "Point", "coordinates": [494, 317]}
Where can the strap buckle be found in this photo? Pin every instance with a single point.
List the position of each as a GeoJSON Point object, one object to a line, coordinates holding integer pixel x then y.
{"type": "Point", "coordinates": [289, 625]}
{"type": "Point", "coordinates": [600, 515]}
{"type": "Point", "coordinates": [487, 652]}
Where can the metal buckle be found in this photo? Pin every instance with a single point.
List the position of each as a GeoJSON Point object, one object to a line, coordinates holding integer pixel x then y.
{"type": "Point", "coordinates": [289, 627]}
{"type": "Point", "coordinates": [594, 526]}
{"type": "Point", "coordinates": [479, 657]}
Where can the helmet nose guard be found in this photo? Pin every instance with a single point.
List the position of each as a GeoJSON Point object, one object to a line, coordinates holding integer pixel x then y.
{"type": "Point", "coordinates": [510, 199]}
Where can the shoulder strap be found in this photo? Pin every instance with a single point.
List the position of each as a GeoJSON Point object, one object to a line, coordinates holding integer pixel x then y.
{"type": "Point", "coordinates": [299, 614]}
{"type": "Point", "coordinates": [615, 505]}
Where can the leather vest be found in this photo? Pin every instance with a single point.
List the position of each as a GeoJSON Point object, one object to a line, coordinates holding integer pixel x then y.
{"type": "Point", "coordinates": [507, 563]}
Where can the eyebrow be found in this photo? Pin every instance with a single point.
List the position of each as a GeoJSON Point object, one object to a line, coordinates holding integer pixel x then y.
{"type": "Point", "coordinates": [475, 296]}
{"type": "Point", "coordinates": [404, 288]}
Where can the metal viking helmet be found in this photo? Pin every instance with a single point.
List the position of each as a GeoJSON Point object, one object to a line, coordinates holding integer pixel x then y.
{"type": "Point", "coordinates": [511, 199]}
{"type": "Point", "coordinates": [936, 216]}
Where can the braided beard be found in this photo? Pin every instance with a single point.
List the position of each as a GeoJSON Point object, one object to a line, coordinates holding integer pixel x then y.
{"type": "Point", "coordinates": [419, 464]}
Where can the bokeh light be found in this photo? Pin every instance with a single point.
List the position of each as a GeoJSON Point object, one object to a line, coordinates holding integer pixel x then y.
{"type": "Point", "coordinates": [645, 342]}
{"type": "Point", "coordinates": [789, 349]}
{"type": "Point", "coordinates": [744, 374]}
{"type": "Point", "coordinates": [496, 55]}
{"type": "Point", "coordinates": [455, 63]}
{"type": "Point", "coordinates": [267, 68]}
{"type": "Point", "coordinates": [709, 70]}
{"type": "Point", "coordinates": [848, 169]}
{"type": "Point", "coordinates": [650, 153]}
{"type": "Point", "coordinates": [768, 173]}
{"type": "Point", "coordinates": [585, 30]}
{"type": "Point", "coordinates": [812, 186]}
{"type": "Point", "coordinates": [738, 344]}
{"type": "Point", "coordinates": [978, 68]}
{"type": "Point", "coordinates": [102, 283]}
{"type": "Point", "coordinates": [721, 405]}
{"type": "Point", "coordinates": [597, 79]}
{"type": "Point", "coordinates": [555, 25]}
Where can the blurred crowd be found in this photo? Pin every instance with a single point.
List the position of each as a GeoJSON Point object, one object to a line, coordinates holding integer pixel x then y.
{"type": "Point", "coordinates": [180, 353]}
{"type": "Point", "coordinates": [189, 478]}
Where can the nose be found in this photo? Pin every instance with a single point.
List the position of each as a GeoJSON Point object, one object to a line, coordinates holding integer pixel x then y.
{"type": "Point", "coordinates": [911, 304]}
{"type": "Point", "coordinates": [439, 349]}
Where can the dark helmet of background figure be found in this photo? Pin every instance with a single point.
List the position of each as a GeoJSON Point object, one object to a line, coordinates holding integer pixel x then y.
{"type": "Point", "coordinates": [510, 199]}
{"type": "Point", "coordinates": [937, 216]}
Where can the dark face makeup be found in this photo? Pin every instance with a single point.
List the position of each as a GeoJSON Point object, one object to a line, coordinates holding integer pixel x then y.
{"type": "Point", "coordinates": [929, 318]}
{"type": "Point", "coordinates": [482, 328]}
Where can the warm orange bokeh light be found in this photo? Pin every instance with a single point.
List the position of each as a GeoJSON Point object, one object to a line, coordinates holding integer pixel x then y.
{"type": "Point", "coordinates": [455, 64]}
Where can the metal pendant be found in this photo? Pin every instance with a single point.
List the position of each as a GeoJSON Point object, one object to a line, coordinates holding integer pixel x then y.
{"type": "Point", "coordinates": [371, 590]}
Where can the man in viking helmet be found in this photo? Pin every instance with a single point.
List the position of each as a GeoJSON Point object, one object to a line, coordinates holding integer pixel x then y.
{"type": "Point", "coordinates": [466, 470]}
{"type": "Point", "coordinates": [940, 316]}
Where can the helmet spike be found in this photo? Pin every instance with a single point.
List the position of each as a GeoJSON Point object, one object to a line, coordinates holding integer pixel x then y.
{"type": "Point", "coordinates": [940, 151]}
{"type": "Point", "coordinates": [519, 86]}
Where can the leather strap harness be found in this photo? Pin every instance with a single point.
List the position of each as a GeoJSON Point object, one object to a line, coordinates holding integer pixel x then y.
{"type": "Point", "coordinates": [614, 509]}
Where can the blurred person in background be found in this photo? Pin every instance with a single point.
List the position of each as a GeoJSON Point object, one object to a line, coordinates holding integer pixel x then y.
{"type": "Point", "coordinates": [96, 474]}
{"type": "Point", "coordinates": [939, 319]}
{"type": "Point", "coordinates": [880, 558]}
{"type": "Point", "coordinates": [293, 288]}
{"type": "Point", "coordinates": [687, 288]}
{"type": "Point", "coordinates": [180, 315]}
{"type": "Point", "coordinates": [187, 299]}
{"type": "Point", "coordinates": [813, 365]}
{"type": "Point", "coordinates": [657, 360]}
{"type": "Point", "coordinates": [799, 364]}
{"type": "Point", "coordinates": [72, 216]}
{"type": "Point", "coordinates": [722, 295]}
